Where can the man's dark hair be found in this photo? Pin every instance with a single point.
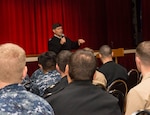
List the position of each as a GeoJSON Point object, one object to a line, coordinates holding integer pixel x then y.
{"type": "Point", "coordinates": [82, 65]}
{"type": "Point", "coordinates": [47, 60]}
{"type": "Point", "coordinates": [105, 50]}
{"type": "Point", "coordinates": [62, 59]}
{"type": "Point", "coordinates": [54, 26]}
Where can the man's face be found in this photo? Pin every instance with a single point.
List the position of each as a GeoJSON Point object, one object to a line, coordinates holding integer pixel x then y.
{"type": "Point", "coordinates": [58, 31]}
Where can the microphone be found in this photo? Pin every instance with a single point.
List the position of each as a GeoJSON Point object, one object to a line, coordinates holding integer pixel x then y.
{"type": "Point", "coordinates": [63, 40]}
{"type": "Point", "coordinates": [62, 35]}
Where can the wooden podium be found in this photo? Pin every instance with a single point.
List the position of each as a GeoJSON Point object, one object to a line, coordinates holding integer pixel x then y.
{"type": "Point", "coordinates": [118, 53]}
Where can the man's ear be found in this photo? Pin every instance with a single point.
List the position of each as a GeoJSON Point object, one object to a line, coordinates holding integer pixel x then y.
{"type": "Point", "coordinates": [94, 76]}
{"type": "Point", "coordinates": [54, 30]}
{"type": "Point", "coordinates": [112, 54]}
{"type": "Point", "coordinates": [57, 67]}
{"type": "Point", "coordinates": [99, 55]}
{"type": "Point", "coordinates": [40, 66]}
{"type": "Point", "coordinates": [137, 59]}
{"type": "Point", "coordinates": [24, 73]}
{"type": "Point", "coordinates": [138, 63]}
{"type": "Point", "coordinates": [67, 69]}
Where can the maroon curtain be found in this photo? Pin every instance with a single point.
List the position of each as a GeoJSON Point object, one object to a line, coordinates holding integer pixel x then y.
{"type": "Point", "coordinates": [145, 19]}
{"type": "Point", "coordinates": [28, 22]}
{"type": "Point", "coordinates": [119, 23]}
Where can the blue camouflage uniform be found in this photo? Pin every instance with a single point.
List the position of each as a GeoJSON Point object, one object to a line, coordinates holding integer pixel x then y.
{"type": "Point", "coordinates": [42, 82]}
{"type": "Point", "coordinates": [26, 82]}
{"type": "Point", "coordinates": [15, 100]}
{"type": "Point", "coordinates": [35, 75]}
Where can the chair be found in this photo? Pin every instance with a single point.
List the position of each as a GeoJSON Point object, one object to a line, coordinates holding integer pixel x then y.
{"type": "Point", "coordinates": [119, 86]}
{"type": "Point", "coordinates": [141, 112]}
{"type": "Point", "coordinates": [134, 78]}
{"type": "Point", "coordinates": [121, 98]}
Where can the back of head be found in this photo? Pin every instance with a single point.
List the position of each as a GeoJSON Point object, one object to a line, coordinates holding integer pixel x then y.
{"type": "Point", "coordinates": [88, 49]}
{"type": "Point", "coordinates": [143, 52]}
{"type": "Point", "coordinates": [12, 62]}
{"type": "Point", "coordinates": [82, 65]}
{"type": "Point", "coordinates": [105, 51]}
{"type": "Point", "coordinates": [63, 59]}
{"type": "Point", "coordinates": [47, 60]}
{"type": "Point", "coordinates": [54, 26]}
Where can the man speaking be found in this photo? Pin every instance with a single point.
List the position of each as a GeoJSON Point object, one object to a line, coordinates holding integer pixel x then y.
{"type": "Point", "coordinates": [60, 42]}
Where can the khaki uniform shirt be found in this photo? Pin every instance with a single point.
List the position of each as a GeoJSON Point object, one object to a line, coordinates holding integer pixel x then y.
{"type": "Point", "coordinates": [139, 96]}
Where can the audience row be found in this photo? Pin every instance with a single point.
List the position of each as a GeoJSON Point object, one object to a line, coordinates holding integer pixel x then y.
{"type": "Point", "coordinates": [70, 83]}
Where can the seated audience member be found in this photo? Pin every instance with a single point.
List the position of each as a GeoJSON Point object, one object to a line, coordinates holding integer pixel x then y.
{"type": "Point", "coordinates": [111, 70]}
{"type": "Point", "coordinates": [37, 72]}
{"type": "Point", "coordinates": [140, 94]}
{"type": "Point", "coordinates": [50, 77]}
{"type": "Point", "coordinates": [62, 61]}
{"type": "Point", "coordinates": [98, 78]}
{"type": "Point", "coordinates": [14, 99]}
{"type": "Point", "coordinates": [81, 97]}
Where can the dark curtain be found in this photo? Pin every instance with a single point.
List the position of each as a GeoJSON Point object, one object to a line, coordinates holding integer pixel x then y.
{"type": "Point", "coordinates": [145, 19]}
{"type": "Point", "coordinates": [119, 23]}
{"type": "Point", "coordinates": [28, 22]}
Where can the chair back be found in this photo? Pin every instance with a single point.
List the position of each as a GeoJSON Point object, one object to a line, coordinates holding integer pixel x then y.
{"type": "Point", "coordinates": [134, 78]}
{"type": "Point", "coordinates": [118, 85]}
{"type": "Point", "coordinates": [121, 98]}
{"type": "Point", "coordinates": [141, 112]}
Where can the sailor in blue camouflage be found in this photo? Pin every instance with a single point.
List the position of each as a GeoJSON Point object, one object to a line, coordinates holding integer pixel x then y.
{"type": "Point", "coordinates": [42, 82]}
{"type": "Point", "coordinates": [15, 100]}
{"type": "Point", "coordinates": [36, 73]}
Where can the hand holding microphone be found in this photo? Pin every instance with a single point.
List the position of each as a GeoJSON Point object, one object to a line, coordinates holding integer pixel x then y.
{"type": "Point", "coordinates": [63, 39]}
